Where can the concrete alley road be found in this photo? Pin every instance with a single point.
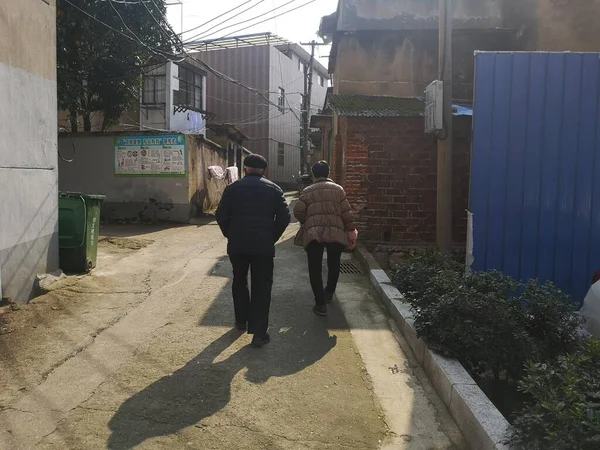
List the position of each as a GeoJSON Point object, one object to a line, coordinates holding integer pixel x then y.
{"type": "Point", "coordinates": [141, 354]}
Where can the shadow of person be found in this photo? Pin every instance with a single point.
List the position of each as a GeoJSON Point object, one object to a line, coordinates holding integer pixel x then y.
{"type": "Point", "coordinates": [203, 387]}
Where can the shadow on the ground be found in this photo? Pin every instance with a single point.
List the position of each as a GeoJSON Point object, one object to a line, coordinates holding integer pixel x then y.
{"type": "Point", "coordinates": [203, 387]}
{"type": "Point", "coordinates": [117, 230]}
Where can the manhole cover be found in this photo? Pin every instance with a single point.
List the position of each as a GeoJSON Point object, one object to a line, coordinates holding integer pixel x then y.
{"type": "Point", "coordinates": [349, 268]}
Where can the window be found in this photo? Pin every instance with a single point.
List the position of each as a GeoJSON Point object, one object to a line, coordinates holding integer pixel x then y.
{"type": "Point", "coordinates": [280, 153]}
{"type": "Point", "coordinates": [281, 99]}
{"type": "Point", "coordinates": [154, 86]}
{"type": "Point", "coordinates": [302, 66]}
{"type": "Point", "coordinates": [321, 80]}
{"type": "Point", "coordinates": [190, 88]}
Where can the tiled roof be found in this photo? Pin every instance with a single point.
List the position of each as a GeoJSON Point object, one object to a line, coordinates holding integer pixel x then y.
{"type": "Point", "coordinates": [376, 106]}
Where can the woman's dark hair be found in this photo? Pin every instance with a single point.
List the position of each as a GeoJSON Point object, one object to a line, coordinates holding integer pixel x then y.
{"type": "Point", "coordinates": [321, 169]}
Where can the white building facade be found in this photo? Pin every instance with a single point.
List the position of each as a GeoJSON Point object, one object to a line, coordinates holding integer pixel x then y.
{"type": "Point", "coordinates": [174, 98]}
{"type": "Point", "coordinates": [28, 148]}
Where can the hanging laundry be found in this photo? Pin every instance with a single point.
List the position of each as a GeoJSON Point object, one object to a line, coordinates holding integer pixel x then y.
{"type": "Point", "coordinates": [232, 174]}
{"type": "Point", "coordinates": [196, 122]}
{"type": "Point", "coordinates": [216, 172]}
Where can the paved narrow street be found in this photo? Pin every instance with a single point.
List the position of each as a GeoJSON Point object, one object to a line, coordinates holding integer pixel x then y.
{"type": "Point", "coordinates": [141, 354]}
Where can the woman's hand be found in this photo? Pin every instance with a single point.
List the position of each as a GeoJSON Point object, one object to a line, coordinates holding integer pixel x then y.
{"type": "Point", "coordinates": [352, 237]}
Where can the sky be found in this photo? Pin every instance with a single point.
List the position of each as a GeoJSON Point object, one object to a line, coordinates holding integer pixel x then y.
{"type": "Point", "coordinates": [297, 26]}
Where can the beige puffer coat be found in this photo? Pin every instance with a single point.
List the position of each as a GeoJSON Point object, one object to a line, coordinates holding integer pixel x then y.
{"type": "Point", "coordinates": [325, 213]}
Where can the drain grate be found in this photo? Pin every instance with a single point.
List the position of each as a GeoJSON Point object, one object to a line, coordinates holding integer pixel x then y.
{"type": "Point", "coordinates": [349, 268]}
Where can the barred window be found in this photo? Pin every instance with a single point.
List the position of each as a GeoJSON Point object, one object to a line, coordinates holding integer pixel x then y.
{"type": "Point", "coordinates": [154, 86]}
{"type": "Point", "coordinates": [281, 99]}
{"type": "Point", "coordinates": [190, 88]}
{"type": "Point", "coordinates": [280, 154]}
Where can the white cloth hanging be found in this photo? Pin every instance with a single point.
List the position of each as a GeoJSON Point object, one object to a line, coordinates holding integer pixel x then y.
{"type": "Point", "coordinates": [232, 174]}
{"type": "Point", "coordinates": [216, 172]}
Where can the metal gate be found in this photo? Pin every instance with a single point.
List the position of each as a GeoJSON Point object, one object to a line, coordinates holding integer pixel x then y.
{"type": "Point", "coordinates": [535, 172]}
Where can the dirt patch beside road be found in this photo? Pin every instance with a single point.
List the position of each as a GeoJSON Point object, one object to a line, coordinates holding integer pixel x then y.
{"type": "Point", "coordinates": [37, 337]}
{"type": "Point", "coordinates": [110, 243]}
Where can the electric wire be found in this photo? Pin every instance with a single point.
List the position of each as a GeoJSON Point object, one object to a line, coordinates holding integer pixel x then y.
{"type": "Point", "coordinates": [218, 17]}
{"type": "Point", "coordinates": [266, 20]}
{"type": "Point", "coordinates": [205, 33]}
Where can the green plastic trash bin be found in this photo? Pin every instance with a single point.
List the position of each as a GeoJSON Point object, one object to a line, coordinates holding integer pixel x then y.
{"type": "Point", "coordinates": [78, 230]}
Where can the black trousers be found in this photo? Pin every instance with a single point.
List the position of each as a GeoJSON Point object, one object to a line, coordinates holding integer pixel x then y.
{"type": "Point", "coordinates": [252, 307]}
{"type": "Point", "coordinates": [315, 251]}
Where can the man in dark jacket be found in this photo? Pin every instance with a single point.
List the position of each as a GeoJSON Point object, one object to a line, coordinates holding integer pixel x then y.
{"type": "Point", "coordinates": [253, 215]}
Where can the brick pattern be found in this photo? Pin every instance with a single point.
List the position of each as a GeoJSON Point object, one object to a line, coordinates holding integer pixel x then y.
{"type": "Point", "coordinates": [390, 180]}
{"type": "Point", "coordinates": [337, 160]}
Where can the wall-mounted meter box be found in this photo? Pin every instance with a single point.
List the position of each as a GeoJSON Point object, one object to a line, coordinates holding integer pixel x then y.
{"type": "Point", "coordinates": [434, 107]}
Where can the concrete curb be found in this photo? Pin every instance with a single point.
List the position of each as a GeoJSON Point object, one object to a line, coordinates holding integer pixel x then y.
{"type": "Point", "coordinates": [482, 425]}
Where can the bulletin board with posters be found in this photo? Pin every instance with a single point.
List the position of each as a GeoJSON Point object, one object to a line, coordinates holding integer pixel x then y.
{"type": "Point", "coordinates": [150, 156]}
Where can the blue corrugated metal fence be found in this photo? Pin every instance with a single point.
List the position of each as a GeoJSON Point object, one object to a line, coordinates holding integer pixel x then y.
{"type": "Point", "coordinates": [535, 173]}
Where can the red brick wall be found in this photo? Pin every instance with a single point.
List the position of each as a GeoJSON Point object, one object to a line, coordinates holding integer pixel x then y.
{"type": "Point", "coordinates": [336, 164]}
{"type": "Point", "coordinates": [390, 179]}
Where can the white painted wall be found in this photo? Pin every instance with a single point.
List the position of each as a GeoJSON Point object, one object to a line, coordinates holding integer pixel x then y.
{"type": "Point", "coordinates": [93, 172]}
{"type": "Point", "coordinates": [28, 148]}
{"type": "Point", "coordinates": [285, 127]}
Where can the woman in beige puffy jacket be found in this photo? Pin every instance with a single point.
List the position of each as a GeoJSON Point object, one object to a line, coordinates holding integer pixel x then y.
{"type": "Point", "coordinates": [324, 212]}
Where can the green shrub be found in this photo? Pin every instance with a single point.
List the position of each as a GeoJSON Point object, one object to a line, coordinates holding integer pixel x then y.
{"type": "Point", "coordinates": [488, 321]}
{"type": "Point", "coordinates": [565, 410]}
{"type": "Point", "coordinates": [413, 277]}
{"type": "Point", "coordinates": [493, 282]}
{"type": "Point", "coordinates": [484, 329]}
{"type": "Point", "coordinates": [552, 319]}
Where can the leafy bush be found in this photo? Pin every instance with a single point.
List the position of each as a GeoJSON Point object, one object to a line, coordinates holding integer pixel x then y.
{"type": "Point", "coordinates": [483, 328]}
{"type": "Point", "coordinates": [504, 332]}
{"type": "Point", "coordinates": [552, 320]}
{"type": "Point", "coordinates": [565, 410]}
{"type": "Point", "coordinates": [493, 282]}
{"type": "Point", "coordinates": [413, 277]}
{"type": "Point", "coordinates": [488, 321]}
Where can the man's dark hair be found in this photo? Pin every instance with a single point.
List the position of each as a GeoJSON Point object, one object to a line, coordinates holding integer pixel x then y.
{"type": "Point", "coordinates": [321, 169]}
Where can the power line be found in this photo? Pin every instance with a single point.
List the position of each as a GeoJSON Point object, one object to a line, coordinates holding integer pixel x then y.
{"type": "Point", "coordinates": [202, 63]}
{"type": "Point", "coordinates": [176, 58]}
{"type": "Point", "coordinates": [285, 96]}
{"type": "Point", "coordinates": [262, 117]}
{"type": "Point", "coordinates": [136, 123]}
{"type": "Point", "coordinates": [218, 17]}
{"type": "Point", "coordinates": [213, 71]}
{"type": "Point", "coordinates": [142, 72]}
{"type": "Point", "coordinates": [129, 29]}
{"type": "Point", "coordinates": [224, 21]}
{"type": "Point", "coordinates": [136, 39]}
{"type": "Point", "coordinates": [267, 138]}
{"type": "Point", "coordinates": [126, 2]}
{"type": "Point", "coordinates": [216, 72]}
{"type": "Point", "coordinates": [199, 36]}
{"type": "Point", "coordinates": [169, 35]}
{"type": "Point", "coordinates": [164, 84]}
{"type": "Point", "coordinates": [271, 18]}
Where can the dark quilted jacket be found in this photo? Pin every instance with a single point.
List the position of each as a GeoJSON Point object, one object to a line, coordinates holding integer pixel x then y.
{"type": "Point", "coordinates": [253, 215]}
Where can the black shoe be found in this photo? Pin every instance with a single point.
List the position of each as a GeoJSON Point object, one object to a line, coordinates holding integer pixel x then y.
{"type": "Point", "coordinates": [241, 326]}
{"type": "Point", "coordinates": [328, 297]}
{"type": "Point", "coordinates": [320, 310]}
{"type": "Point", "coordinates": [260, 340]}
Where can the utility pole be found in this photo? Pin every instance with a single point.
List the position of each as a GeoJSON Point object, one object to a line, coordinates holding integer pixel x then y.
{"type": "Point", "coordinates": [308, 75]}
{"type": "Point", "coordinates": [303, 125]}
{"type": "Point", "coordinates": [444, 143]}
{"type": "Point", "coordinates": [306, 100]}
